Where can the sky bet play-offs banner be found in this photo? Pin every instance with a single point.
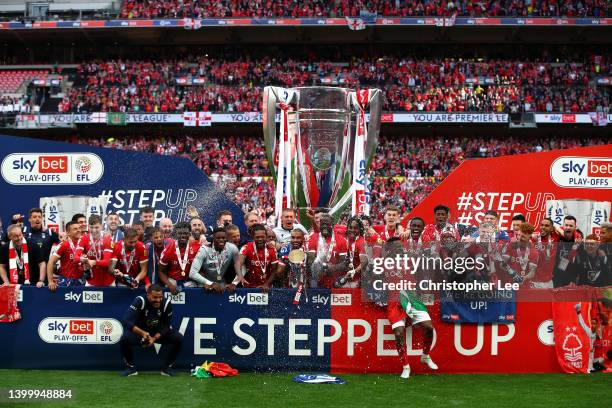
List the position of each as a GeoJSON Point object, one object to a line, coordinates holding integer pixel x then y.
{"type": "Point", "coordinates": [34, 168]}
{"type": "Point", "coordinates": [329, 331]}
{"type": "Point", "coordinates": [523, 184]}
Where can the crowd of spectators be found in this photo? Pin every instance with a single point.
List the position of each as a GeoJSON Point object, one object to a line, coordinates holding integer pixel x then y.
{"type": "Point", "coordinates": [346, 8]}
{"type": "Point", "coordinates": [446, 85]}
{"type": "Point", "coordinates": [405, 169]}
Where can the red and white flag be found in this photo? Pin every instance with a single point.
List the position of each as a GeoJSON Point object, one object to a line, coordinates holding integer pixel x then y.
{"type": "Point", "coordinates": [192, 23]}
{"type": "Point", "coordinates": [355, 24]}
{"type": "Point", "coordinates": [9, 311]}
{"type": "Point", "coordinates": [196, 119]}
{"type": "Point", "coordinates": [572, 341]}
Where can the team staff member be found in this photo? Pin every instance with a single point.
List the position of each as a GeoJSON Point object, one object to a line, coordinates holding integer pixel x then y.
{"type": "Point", "coordinates": [288, 222]}
{"type": "Point", "coordinates": [44, 239]}
{"type": "Point", "coordinates": [21, 261]}
{"type": "Point", "coordinates": [148, 321]}
{"type": "Point", "coordinates": [155, 247]}
{"type": "Point", "coordinates": [567, 248]}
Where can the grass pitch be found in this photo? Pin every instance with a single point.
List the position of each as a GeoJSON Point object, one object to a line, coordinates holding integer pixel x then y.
{"type": "Point", "coordinates": [149, 389]}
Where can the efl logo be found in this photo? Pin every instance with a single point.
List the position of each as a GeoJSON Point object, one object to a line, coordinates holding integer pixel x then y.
{"type": "Point", "coordinates": [80, 330]}
{"type": "Point", "coordinates": [53, 164]}
{"type": "Point", "coordinates": [81, 327]}
{"type": "Point", "coordinates": [52, 168]}
{"type": "Point", "coordinates": [582, 172]}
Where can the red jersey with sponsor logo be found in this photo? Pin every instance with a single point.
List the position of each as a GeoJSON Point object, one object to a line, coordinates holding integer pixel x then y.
{"type": "Point", "coordinates": [521, 260]}
{"type": "Point", "coordinates": [432, 233]}
{"type": "Point", "coordinates": [258, 264]}
{"type": "Point", "coordinates": [385, 233]}
{"type": "Point", "coordinates": [603, 344]}
{"type": "Point", "coordinates": [339, 249]}
{"type": "Point", "coordinates": [69, 263]}
{"type": "Point", "coordinates": [168, 257]}
{"type": "Point", "coordinates": [101, 251]}
{"type": "Point", "coordinates": [129, 261]}
{"type": "Point", "coordinates": [547, 248]}
{"type": "Point", "coordinates": [356, 248]}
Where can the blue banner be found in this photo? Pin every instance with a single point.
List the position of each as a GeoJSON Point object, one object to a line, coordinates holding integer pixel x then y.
{"type": "Point", "coordinates": [35, 168]}
{"type": "Point", "coordinates": [79, 328]}
{"type": "Point", "coordinates": [371, 18]}
{"type": "Point", "coordinates": [478, 307]}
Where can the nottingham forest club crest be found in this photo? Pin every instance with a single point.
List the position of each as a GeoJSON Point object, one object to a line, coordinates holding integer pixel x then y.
{"type": "Point", "coordinates": [571, 346]}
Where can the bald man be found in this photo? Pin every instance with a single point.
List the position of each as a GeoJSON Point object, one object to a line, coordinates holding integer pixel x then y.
{"type": "Point", "coordinates": [166, 226]}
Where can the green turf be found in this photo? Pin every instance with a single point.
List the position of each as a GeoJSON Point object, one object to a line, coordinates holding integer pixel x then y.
{"type": "Point", "coordinates": [108, 389]}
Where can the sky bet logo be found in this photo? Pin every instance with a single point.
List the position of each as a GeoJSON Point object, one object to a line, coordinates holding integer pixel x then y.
{"type": "Point", "coordinates": [46, 164]}
{"type": "Point", "coordinates": [52, 168]}
{"type": "Point", "coordinates": [254, 299]}
{"type": "Point", "coordinates": [80, 330]}
{"type": "Point", "coordinates": [582, 172]}
{"type": "Point", "coordinates": [88, 296]}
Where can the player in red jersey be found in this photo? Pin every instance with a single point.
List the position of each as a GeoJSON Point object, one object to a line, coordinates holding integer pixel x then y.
{"type": "Point", "coordinates": [71, 272]}
{"type": "Point", "coordinates": [94, 251]}
{"type": "Point", "coordinates": [433, 232]}
{"type": "Point", "coordinates": [356, 254]}
{"type": "Point", "coordinates": [129, 260]}
{"type": "Point", "coordinates": [371, 236]}
{"type": "Point", "coordinates": [392, 227]}
{"type": "Point", "coordinates": [258, 257]}
{"type": "Point", "coordinates": [413, 239]}
{"type": "Point", "coordinates": [545, 242]}
{"type": "Point", "coordinates": [326, 255]}
{"type": "Point", "coordinates": [175, 261]}
{"type": "Point", "coordinates": [519, 258]}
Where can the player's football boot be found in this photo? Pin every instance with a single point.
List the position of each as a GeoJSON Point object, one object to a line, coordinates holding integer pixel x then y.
{"type": "Point", "coordinates": [405, 371]}
{"type": "Point", "coordinates": [425, 359]}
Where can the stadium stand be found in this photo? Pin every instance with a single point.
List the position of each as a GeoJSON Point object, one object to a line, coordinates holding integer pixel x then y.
{"type": "Point", "coordinates": [318, 8]}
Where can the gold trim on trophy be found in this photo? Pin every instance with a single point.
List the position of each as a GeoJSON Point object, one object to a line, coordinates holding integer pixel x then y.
{"type": "Point", "coordinates": [296, 256]}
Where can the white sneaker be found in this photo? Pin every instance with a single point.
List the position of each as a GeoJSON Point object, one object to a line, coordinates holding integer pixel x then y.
{"type": "Point", "coordinates": [405, 371]}
{"type": "Point", "coordinates": [425, 359]}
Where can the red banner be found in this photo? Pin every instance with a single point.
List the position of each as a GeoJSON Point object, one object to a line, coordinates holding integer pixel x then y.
{"type": "Point", "coordinates": [367, 342]}
{"type": "Point", "coordinates": [571, 340]}
{"type": "Point", "coordinates": [519, 184]}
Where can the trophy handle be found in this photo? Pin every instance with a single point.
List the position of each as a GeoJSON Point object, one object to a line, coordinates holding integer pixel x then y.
{"type": "Point", "coordinates": [376, 101]}
{"type": "Point", "coordinates": [269, 125]}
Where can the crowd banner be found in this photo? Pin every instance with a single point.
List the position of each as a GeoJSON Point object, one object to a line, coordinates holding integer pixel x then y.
{"type": "Point", "coordinates": [68, 119]}
{"type": "Point", "coordinates": [462, 307]}
{"type": "Point", "coordinates": [125, 181]}
{"type": "Point", "coordinates": [522, 184]}
{"type": "Point", "coordinates": [195, 23]}
{"type": "Point", "coordinates": [79, 328]}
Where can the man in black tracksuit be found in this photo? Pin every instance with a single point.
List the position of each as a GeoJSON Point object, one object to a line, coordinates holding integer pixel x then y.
{"type": "Point", "coordinates": [148, 321]}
